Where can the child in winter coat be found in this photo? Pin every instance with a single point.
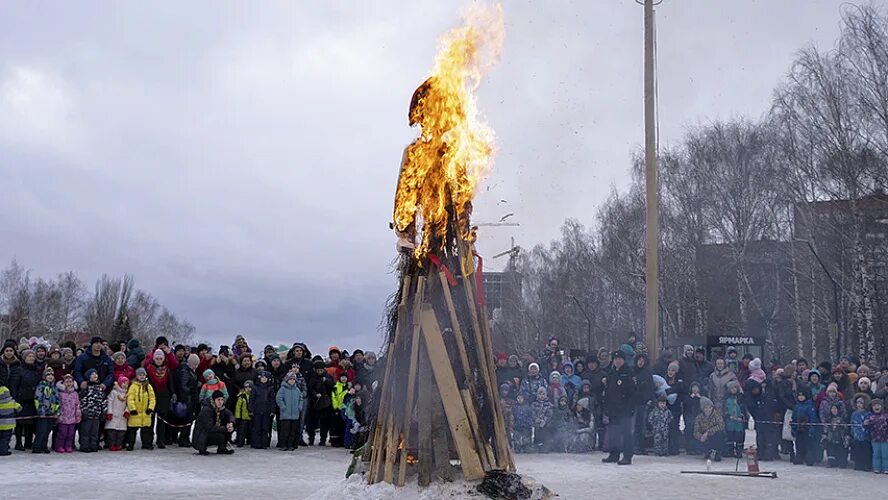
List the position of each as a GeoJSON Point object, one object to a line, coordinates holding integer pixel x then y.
{"type": "Point", "coordinates": [47, 400]}
{"type": "Point", "coordinates": [242, 416]}
{"type": "Point", "coordinates": [93, 406]}
{"type": "Point", "coordinates": [289, 400]}
{"type": "Point", "coordinates": [691, 407]}
{"type": "Point", "coordinates": [583, 438]}
{"type": "Point", "coordinates": [117, 416]}
{"type": "Point", "coordinates": [337, 424]}
{"type": "Point", "coordinates": [542, 416]}
{"type": "Point", "coordinates": [8, 409]}
{"type": "Point", "coordinates": [261, 406]}
{"type": "Point", "coordinates": [562, 426]}
{"type": "Point", "coordinates": [140, 402]}
{"type": "Point", "coordinates": [555, 388]}
{"type": "Point", "coordinates": [877, 424]}
{"type": "Point", "coordinates": [836, 437]}
{"type": "Point", "coordinates": [660, 419]}
{"type": "Point", "coordinates": [735, 420]}
{"type": "Point", "coordinates": [69, 414]}
{"type": "Point", "coordinates": [861, 448]}
{"type": "Point", "coordinates": [211, 385]}
{"type": "Point", "coordinates": [803, 416]}
{"type": "Point", "coordinates": [359, 428]}
{"type": "Point", "coordinates": [522, 430]}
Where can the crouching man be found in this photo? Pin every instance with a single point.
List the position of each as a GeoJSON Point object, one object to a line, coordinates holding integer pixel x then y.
{"type": "Point", "coordinates": [214, 426]}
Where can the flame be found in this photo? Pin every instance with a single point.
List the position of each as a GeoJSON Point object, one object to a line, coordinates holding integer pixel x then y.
{"type": "Point", "coordinates": [442, 168]}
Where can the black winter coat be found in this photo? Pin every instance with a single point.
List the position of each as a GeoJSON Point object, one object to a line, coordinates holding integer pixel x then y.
{"type": "Point", "coordinates": [644, 386]}
{"type": "Point", "coordinates": [187, 388]}
{"type": "Point", "coordinates": [27, 387]}
{"type": "Point", "coordinates": [262, 399]}
{"type": "Point", "coordinates": [240, 376]}
{"type": "Point", "coordinates": [10, 373]}
{"type": "Point", "coordinates": [304, 364]}
{"type": "Point", "coordinates": [320, 385]}
{"type": "Point", "coordinates": [206, 424]}
{"type": "Point", "coordinates": [620, 392]}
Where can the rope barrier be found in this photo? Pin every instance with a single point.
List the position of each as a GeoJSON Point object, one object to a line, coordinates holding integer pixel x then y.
{"type": "Point", "coordinates": [55, 417]}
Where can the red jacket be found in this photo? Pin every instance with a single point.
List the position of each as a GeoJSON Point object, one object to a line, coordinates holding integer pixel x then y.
{"type": "Point", "coordinates": [124, 371]}
{"type": "Point", "coordinates": [162, 383]}
{"type": "Point", "coordinates": [171, 360]}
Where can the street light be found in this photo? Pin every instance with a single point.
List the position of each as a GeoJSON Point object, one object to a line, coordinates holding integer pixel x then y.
{"type": "Point", "coordinates": [835, 286]}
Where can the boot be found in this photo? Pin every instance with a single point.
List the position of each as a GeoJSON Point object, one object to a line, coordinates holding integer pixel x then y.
{"type": "Point", "coordinates": [612, 458]}
{"type": "Point", "coordinates": [626, 460]}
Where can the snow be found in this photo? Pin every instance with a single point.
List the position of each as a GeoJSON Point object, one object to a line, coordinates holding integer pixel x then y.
{"type": "Point", "coordinates": [318, 474]}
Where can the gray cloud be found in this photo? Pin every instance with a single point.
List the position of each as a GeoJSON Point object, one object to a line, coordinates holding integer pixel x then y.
{"type": "Point", "coordinates": [240, 159]}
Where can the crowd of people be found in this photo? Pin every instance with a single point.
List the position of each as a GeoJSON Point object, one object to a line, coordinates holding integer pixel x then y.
{"type": "Point", "coordinates": [111, 395]}
{"type": "Point", "coordinates": [622, 403]}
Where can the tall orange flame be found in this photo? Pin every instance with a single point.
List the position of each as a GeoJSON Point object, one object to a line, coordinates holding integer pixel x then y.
{"type": "Point", "coordinates": [442, 168]}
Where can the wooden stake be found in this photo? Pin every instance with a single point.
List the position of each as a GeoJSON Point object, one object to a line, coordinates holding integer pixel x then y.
{"type": "Point", "coordinates": [411, 378]}
{"type": "Point", "coordinates": [424, 415]}
{"type": "Point", "coordinates": [457, 329]}
{"type": "Point", "coordinates": [450, 397]}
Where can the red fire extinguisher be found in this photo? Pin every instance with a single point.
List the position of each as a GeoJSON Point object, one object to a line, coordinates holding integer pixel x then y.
{"type": "Point", "coordinates": [752, 463]}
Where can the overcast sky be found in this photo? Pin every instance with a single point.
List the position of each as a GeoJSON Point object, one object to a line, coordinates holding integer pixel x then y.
{"type": "Point", "coordinates": [240, 158]}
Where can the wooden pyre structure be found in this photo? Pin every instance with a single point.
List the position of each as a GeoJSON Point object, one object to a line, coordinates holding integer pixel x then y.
{"type": "Point", "coordinates": [438, 402]}
{"type": "Point", "coordinates": [439, 398]}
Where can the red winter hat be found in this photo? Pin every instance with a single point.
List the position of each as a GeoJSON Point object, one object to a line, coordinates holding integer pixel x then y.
{"type": "Point", "coordinates": [501, 356]}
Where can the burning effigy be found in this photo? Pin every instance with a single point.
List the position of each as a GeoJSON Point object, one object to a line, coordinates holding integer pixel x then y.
{"type": "Point", "coordinates": [438, 412]}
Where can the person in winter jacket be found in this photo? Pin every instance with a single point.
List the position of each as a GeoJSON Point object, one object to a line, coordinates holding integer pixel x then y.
{"type": "Point", "coordinates": [522, 430]}
{"type": "Point", "coordinates": [735, 416]}
{"type": "Point", "coordinates": [245, 371]}
{"type": "Point", "coordinates": [93, 406]}
{"type": "Point", "coordinates": [212, 385]}
{"type": "Point", "coordinates": [691, 408]}
{"type": "Point", "coordinates": [117, 416]}
{"type": "Point", "coordinates": [718, 382]}
{"type": "Point", "coordinates": [660, 420]}
{"type": "Point", "coordinates": [337, 425]}
{"type": "Point", "coordinates": [732, 362]}
{"type": "Point", "coordinates": [755, 371]}
{"type": "Point", "coordinates": [242, 414]}
{"type": "Point", "coordinates": [57, 364]}
{"type": "Point", "coordinates": [121, 367]}
{"type": "Point", "coordinates": [542, 416]}
{"type": "Point", "coordinates": [645, 395]}
{"type": "Point", "coordinates": [830, 397]}
{"type": "Point", "coordinates": [531, 384]}
{"type": "Point", "coordinates": [805, 434]}
{"type": "Point", "coordinates": [568, 377]}
{"type": "Point", "coordinates": [619, 398]}
{"type": "Point", "coordinates": [141, 403]}
{"type": "Point", "coordinates": [289, 401]}
{"type": "Point", "coordinates": [134, 354]}
{"type": "Point", "coordinates": [261, 406]}
{"type": "Point", "coordinates": [836, 436]}
{"type": "Point", "coordinates": [555, 390]}
{"type": "Point", "coordinates": [583, 438]}
{"type": "Point", "coordinates": [709, 430]}
{"type": "Point", "coordinates": [241, 348]}
{"type": "Point", "coordinates": [861, 447]}
{"type": "Point", "coordinates": [877, 425]}
{"type": "Point", "coordinates": [676, 397]}
{"type": "Point", "coordinates": [25, 390]}
{"type": "Point", "coordinates": [562, 427]}
{"type": "Point", "coordinates": [161, 378]}
{"type": "Point", "coordinates": [320, 390]}
{"type": "Point", "coordinates": [94, 359]}
{"type": "Point", "coordinates": [70, 414]}
{"type": "Point", "coordinates": [8, 408]}
{"type": "Point", "coordinates": [47, 400]}
{"type": "Point", "coordinates": [214, 425]}
{"type": "Point", "coordinates": [761, 402]}
{"type": "Point", "coordinates": [187, 397]}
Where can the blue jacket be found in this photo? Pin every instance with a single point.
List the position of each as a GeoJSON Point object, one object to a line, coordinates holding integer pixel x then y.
{"type": "Point", "coordinates": [262, 399]}
{"type": "Point", "coordinates": [802, 415]}
{"type": "Point", "coordinates": [858, 431]}
{"type": "Point", "coordinates": [101, 363]}
{"type": "Point", "coordinates": [289, 400]}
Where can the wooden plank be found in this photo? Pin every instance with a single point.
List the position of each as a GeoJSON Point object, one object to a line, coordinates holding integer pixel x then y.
{"type": "Point", "coordinates": [411, 378]}
{"type": "Point", "coordinates": [457, 329]}
{"type": "Point", "coordinates": [450, 397]}
{"type": "Point", "coordinates": [505, 460]}
{"type": "Point", "coordinates": [440, 435]}
{"type": "Point", "coordinates": [379, 431]}
{"type": "Point", "coordinates": [484, 452]}
{"type": "Point", "coordinates": [424, 416]}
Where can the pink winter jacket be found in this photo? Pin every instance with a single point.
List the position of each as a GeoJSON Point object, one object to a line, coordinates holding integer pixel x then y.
{"type": "Point", "coordinates": [69, 409]}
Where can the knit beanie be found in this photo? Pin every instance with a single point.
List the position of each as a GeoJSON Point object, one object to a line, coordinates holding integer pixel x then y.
{"type": "Point", "coordinates": [209, 374]}
{"type": "Point", "coordinates": [141, 371]}
{"type": "Point", "coordinates": [159, 354]}
{"type": "Point", "coordinates": [193, 361]}
{"type": "Point", "coordinates": [218, 394]}
{"type": "Point", "coordinates": [706, 403]}
{"type": "Point", "coordinates": [118, 355]}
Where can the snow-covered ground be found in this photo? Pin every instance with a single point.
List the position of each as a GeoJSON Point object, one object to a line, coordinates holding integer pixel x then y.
{"type": "Point", "coordinates": [318, 474]}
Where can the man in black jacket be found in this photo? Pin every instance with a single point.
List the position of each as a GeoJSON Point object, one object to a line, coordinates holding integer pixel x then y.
{"type": "Point", "coordinates": [320, 391]}
{"type": "Point", "coordinates": [187, 396]}
{"type": "Point", "coordinates": [619, 401]}
{"type": "Point", "coordinates": [214, 426]}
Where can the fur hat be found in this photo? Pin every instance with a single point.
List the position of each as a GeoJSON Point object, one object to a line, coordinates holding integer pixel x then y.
{"type": "Point", "coordinates": [861, 381]}
{"type": "Point", "coordinates": [218, 394]}
{"type": "Point", "coordinates": [318, 363]}
{"type": "Point", "coordinates": [25, 353]}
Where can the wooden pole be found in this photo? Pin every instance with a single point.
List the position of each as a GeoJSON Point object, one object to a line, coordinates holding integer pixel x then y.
{"type": "Point", "coordinates": [411, 378]}
{"type": "Point", "coordinates": [652, 219]}
{"type": "Point", "coordinates": [424, 417]}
